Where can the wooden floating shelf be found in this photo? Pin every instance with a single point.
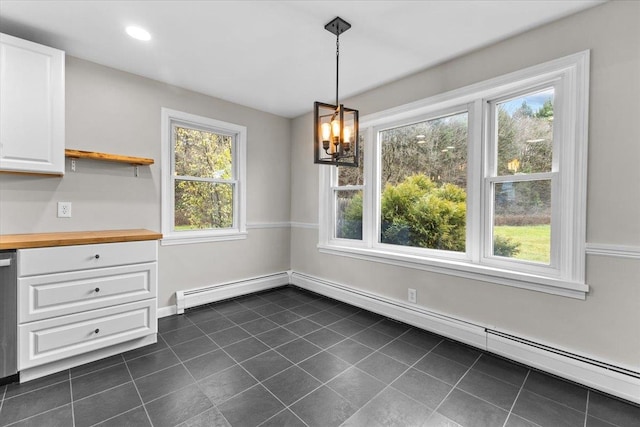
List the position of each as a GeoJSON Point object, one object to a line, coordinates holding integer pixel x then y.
{"type": "Point", "coordinates": [94, 155]}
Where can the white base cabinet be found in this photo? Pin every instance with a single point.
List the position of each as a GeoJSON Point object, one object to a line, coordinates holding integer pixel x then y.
{"type": "Point", "coordinates": [76, 302]}
{"type": "Point", "coordinates": [31, 107]}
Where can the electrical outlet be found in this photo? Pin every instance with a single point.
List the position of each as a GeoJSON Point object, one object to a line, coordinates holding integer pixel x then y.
{"type": "Point", "coordinates": [413, 296]}
{"type": "Point", "coordinates": [64, 209]}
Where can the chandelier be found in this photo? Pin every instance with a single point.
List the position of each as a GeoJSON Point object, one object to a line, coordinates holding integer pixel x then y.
{"type": "Point", "coordinates": [335, 126]}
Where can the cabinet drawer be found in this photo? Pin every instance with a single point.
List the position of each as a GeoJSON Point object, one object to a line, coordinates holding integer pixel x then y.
{"type": "Point", "coordinates": [50, 295]}
{"type": "Point", "coordinates": [54, 339]}
{"type": "Point", "coordinates": [83, 257]}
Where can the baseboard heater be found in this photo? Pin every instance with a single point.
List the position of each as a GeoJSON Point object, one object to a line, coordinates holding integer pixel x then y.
{"type": "Point", "coordinates": [218, 292]}
{"type": "Point", "coordinates": [562, 353]}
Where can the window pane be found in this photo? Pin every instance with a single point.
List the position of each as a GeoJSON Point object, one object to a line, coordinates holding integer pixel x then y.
{"type": "Point", "coordinates": [351, 175]}
{"type": "Point", "coordinates": [522, 220]}
{"type": "Point", "coordinates": [424, 179]}
{"type": "Point", "coordinates": [203, 205]}
{"type": "Point", "coordinates": [349, 214]}
{"type": "Point", "coordinates": [525, 134]}
{"type": "Point", "coordinates": [202, 154]}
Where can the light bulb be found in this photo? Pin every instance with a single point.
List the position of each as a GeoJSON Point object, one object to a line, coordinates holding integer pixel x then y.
{"type": "Point", "coordinates": [326, 131]}
{"type": "Point", "coordinates": [335, 127]}
{"type": "Point", "coordinates": [347, 134]}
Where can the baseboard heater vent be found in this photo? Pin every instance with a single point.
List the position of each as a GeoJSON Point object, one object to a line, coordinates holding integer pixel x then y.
{"type": "Point", "coordinates": [221, 291]}
{"type": "Point", "coordinates": [562, 353]}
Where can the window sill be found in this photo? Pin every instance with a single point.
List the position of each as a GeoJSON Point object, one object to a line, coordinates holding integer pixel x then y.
{"type": "Point", "coordinates": [177, 239]}
{"type": "Point", "coordinates": [464, 269]}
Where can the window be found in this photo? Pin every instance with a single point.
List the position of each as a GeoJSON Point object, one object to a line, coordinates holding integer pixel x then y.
{"type": "Point", "coordinates": [485, 182]}
{"type": "Point", "coordinates": [203, 177]}
{"type": "Point", "coordinates": [423, 176]}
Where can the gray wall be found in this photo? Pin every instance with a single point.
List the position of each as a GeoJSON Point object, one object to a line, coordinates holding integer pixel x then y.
{"type": "Point", "coordinates": [607, 324]}
{"type": "Point", "coordinates": [117, 112]}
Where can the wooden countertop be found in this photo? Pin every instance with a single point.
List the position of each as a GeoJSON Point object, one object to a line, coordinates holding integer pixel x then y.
{"type": "Point", "coordinates": [43, 240]}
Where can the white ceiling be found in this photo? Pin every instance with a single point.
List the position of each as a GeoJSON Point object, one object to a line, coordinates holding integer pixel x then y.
{"type": "Point", "coordinates": [276, 56]}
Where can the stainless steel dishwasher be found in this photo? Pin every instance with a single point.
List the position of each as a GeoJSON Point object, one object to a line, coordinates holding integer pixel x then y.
{"type": "Point", "coordinates": [8, 317]}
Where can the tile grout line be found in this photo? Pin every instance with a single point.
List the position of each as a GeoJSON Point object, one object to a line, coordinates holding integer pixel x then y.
{"type": "Point", "coordinates": [35, 389]}
{"type": "Point", "coordinates": [516, 399]}
{"type": "Point", "coordinates": [326, 383]}
{"type": "Point", "coordinates": [558, 403]}
{"type": "Point", "coordinates": [456, 385]}
{"type": "Point", "coordinates": [73, 415]}
{"type": "Point", "coordinates": [412, 366]}
{"type": "Point", "coordinates": [96, 370]}
{"type": "Point", "coordinates": [284, 410]}
{"type": "Point", "coordinates": [138, 392]}
{"type": "Point", "coordinates": [586, 410]}
{"type": "Point", "coordinates": [286, 407]}
{"type": "Point", "coordinates": [195, 382]}
{"type": "Point", "coordinates": [34, 415]}
{"type": "Point", "coordinates": [4, 392]}
{"type": "Point", "coordinates": [43, 412]}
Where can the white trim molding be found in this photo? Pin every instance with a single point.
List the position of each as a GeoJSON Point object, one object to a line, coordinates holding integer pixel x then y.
{"type": "Point", "coordinates": [615, 251]}
{"type": "Point", "coordinates": [309, 225]}
{"type": "Point", "coordinates": [263, 225]}
{"type": "Point", "coordinates": [221, 291]}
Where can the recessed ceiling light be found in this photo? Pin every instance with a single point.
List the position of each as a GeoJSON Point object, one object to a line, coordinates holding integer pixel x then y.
{"type": "Point", "coordinates": [138, 33]}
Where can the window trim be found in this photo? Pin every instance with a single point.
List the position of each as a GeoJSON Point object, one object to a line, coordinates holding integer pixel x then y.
{"type": "Point", "coordinates": [169, 118]}
{"type": "Point", "coordinates": [572, 72]}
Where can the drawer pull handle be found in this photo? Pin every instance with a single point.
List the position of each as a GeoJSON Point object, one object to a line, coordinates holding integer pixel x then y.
{"type": "Point", "coordinates": [97, 330]}
{"type": "Point", "coordinates": [97, 289]}
{"type": "Point", "coordinates": [97, 256]}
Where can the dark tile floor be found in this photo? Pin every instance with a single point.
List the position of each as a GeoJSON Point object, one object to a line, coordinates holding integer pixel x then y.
{"type": "Point", "coordinates": [291, 358]}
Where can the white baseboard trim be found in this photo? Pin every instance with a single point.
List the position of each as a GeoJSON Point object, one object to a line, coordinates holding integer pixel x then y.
{"type": "Point", "coordinates": [408, 313]}
{"type": "Point", "coordinates": [167, 311]}
{"type": "Point", "coordinates": [195, 297]}
{"type": "Point", "coordinates": [588, 371]}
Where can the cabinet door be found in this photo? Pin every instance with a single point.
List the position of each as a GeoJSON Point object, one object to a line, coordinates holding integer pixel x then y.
{"type": "Point", "coordinates": [31, 107]}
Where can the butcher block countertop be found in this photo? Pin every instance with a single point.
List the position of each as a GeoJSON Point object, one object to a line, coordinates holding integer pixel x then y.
{"type": "Point", "coordinates": [43, 240]}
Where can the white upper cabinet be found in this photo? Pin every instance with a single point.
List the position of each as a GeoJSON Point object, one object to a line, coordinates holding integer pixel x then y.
{"type": "Point", "coordinates": [31, 107]}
